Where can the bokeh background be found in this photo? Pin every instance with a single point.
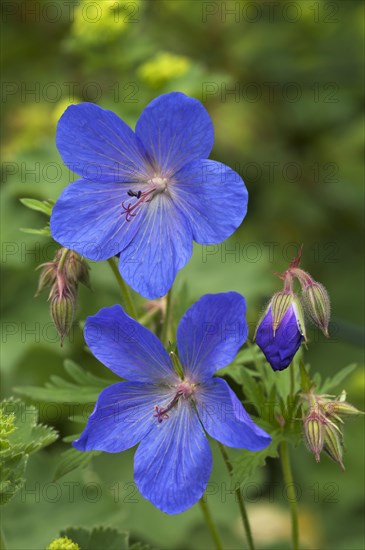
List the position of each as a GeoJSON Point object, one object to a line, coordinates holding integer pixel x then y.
{"type": "Point", "coordinates": [283, 84]}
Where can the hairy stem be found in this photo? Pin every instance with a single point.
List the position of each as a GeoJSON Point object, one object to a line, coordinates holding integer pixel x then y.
{"type": "Point", "coordinates": [241, 504]}
{"type": "Point", "coordinates": [126, 297]}
{"type": "Point", "coordinates": [288, 479]}
{"type": "Point", "coordinates": [210, 523]}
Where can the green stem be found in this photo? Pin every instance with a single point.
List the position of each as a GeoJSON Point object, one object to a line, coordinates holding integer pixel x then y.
{"type": "Point", "coordinates": [2, 540]}
{"type": "Point", "coordinates": [288, 479]}
{"type": "Point", "coordinates": [210, 523]}
{"type": "Point", "coordinates": [64, 255]}
{"type": "Point", "coordinates": [126, 297]}
{"type": "Point", "coordinates": [241, 504]}
{"type": "Point", "coordinates": [167, 321]}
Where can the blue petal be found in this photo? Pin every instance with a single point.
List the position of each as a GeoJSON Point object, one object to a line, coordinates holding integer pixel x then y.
{"type": "Point", "coordinates": [225, 419]}
{"type": "Point", "coordinates": [123, 415]}
{"type": "Point", "coordinates": [88, 218]}
{"type": "Point", "coordinates": [162, 246]}
{"type": "Point", "coordinates": [127, 348]}
{"type": "Point", "coordinates": [172, 464]}
{"type": "Point", "coordinates": [210, 334]}
{"type": "Point", "coordinates": [280, 349]}
{"type": "Point", "coordinates": [98, 145]}
{"type": "Point", "coordinates": [175, 129]}
{"type": "Point", "coordinates": [212, 197]}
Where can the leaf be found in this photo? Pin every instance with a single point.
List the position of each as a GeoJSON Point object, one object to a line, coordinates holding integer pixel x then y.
{"type": "Point", "coordinates": [337, 379]}
{"type": "Point", "coordinates": [72, 460]}
{"type": "Point", "coordinates": [45, 231]}
{"type": "Point", "coordinates": [40, 206]}
{"type": "Point", "coordinates": [100, 537]}
{"type": "Point", "coordinates": [85, 387]}
{"type": "Point", "coordinates": [245, 467]}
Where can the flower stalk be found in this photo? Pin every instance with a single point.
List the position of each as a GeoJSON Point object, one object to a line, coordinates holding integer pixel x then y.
{"type": "Point", "coordinates": [210, 524]}
{"type": "Point", "coordinates": [126, 296]}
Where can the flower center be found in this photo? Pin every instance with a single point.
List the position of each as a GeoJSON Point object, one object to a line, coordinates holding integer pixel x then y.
{"type": "Point", "coordinates": [156, 185]}
{"type": "Point", "coordinates": [183, 390]}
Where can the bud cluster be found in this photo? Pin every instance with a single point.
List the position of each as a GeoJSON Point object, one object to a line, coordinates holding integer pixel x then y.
{"type": "Point", "coordinates": [62, 275]}
{"type": "Point", "coordinates": [323, 424]}
{"type": "Point", "coordinates": [281, 330]}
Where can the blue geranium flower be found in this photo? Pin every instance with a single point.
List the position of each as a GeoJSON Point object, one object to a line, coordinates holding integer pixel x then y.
{"type": "Point", "coordinates": [145, 194]}
{"type": "Point", "coordinates": [167, 414]}
{"type": "Point", "coordinates": [280, 346]}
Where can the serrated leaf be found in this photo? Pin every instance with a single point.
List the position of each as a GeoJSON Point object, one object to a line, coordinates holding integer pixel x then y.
{"type": "Point", "coordinates": [245, 467]}
{"type": "Point", "coordinates": [100, 537]}
{"type": "Point", "coordinates": [40, 206]}
{"type": "Point", "coordinates": [332, 383]}
{"type": "Point", "coordinates": [12, 471]}
{"type": "Point", "coordinates": [72, 460]}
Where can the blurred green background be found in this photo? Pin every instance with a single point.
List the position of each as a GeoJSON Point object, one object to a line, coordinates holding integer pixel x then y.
{"type": "Point", "coordinates": [283, 85]}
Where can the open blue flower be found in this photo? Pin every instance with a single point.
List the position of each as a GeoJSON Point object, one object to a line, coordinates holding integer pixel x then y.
{"type": "Point", "coordinates": [145, 194]}
{"type": "Point", "coordinates": [279, 347]}
{"type": "Point", "coordinates": [169, 415]}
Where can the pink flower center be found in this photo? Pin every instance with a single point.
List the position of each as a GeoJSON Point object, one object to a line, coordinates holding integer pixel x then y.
{"type": "Point", "coordinates": [159, 185]}
{"type": "Point", "coordinates": [183, 390]}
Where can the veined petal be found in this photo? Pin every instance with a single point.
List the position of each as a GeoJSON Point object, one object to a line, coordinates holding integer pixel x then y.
{"type": "Point", "coordinates": [123, 415]}
{"type": "Point", "coordinates": [88, 218]}
{"type": "Point", "coordinates": [175, 129]}
{"type": "Point", "coordinates": [210, 334]}
{"type": "Point", "coordinates": [127, 348]}
{"type": "Point", "coordinates": [224, 417]}
{"type": "Point", "coordinates": [172, 464]}
{"type": "Point", "coordinates": [99, 146]}
{"type": "Point", "coordinates": [212, 197]}
{"type": "Point", "coordinates": [162, 246]}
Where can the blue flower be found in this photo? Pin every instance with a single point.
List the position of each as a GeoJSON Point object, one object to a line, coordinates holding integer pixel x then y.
{"type": "Point", "coordinates": [145, 194]}
{"type": "Point", "coordinates": [170, 415]}
{"type": "Point", "coordinates": [279, 347]}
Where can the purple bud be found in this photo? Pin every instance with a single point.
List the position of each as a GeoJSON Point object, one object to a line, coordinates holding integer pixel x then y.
{"type": "Point", "coordinates": [280, 348]}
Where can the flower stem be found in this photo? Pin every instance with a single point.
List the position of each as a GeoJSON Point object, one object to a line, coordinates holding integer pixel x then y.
{"type": "Point", "coordinates": [210, 523]}
{"type": "Point", "coordinates": [167, 321]}
{"type": "Point", "coordinates": [126, 297]}
{"type": "Point", "coordinates": [241, 504]}
{"type": "Point", "coordinates": [288, 479]}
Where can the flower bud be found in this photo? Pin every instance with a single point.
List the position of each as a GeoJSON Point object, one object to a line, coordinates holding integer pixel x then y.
{"type": "Point", "coordinates": [314, 433]}
{"type": "Point", "coordinates": [47, 277]}
{"type": "Point", "coordinates": [333, 408]}
{"type": "Point", "coordinates": [333, 443]}
{"type": "Point", "coordinates": [281, 330]}
{"type": "Point", "coordinates": [317, 304]}
{"type": "Point", "coordinates": [76, 269]}
{"type": "Point", "coordinates": [63, 543]}
{"type": "Point", "coordinates": [63, 307]}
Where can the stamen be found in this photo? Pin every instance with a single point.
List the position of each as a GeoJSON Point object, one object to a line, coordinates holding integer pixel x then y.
{"type": "Point", "coordinates": [185, 389]}
{"type": "Point", "coordinates": [130, 210]}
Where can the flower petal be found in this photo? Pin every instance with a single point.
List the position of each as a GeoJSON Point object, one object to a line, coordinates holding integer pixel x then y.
{"type": "Point", "coordinates": [280, 349]}
{"type": "Point", "coordinates": [88, 218]}
{"type": "Point", "coordinates": [175, 129]}
{"type": "Point", "coordinates": [127, 348]}
{"type": "Point", "coordinates": [224, 417]}
{"type": "Point", "coordinates": [210, 334]}
{"type": "Point", "coordinates": [98, 145]}
{"type": "Point", "coordinates": [162, 246]}
{"type": "Point", "coordinates": [123, 415]}
{"type": "Point", "coordinates": [212, 197]}
{"type": "Point", "coordinates": [172, 464]}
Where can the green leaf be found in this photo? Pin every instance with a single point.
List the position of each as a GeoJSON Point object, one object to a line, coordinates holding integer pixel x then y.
{"type": "Point", "coordinates": [40, 206]}
{"type": "Point", "coordinates": [100, 537]}
{"type": "Point", "coordinates": [20, 436]}
{"type": "Point", "coordinates": [45, 231]}
{"type": "Point", "coordinates": [72, 460]}
{"type": "Point", "coordinates": [85, 387]}
{"type": "Point", "coordinates": [331, 383]}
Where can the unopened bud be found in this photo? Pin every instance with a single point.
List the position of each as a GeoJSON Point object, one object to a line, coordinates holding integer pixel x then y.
{"type": "Point", "coordinates": [314, 433]}
{"type": "Point", "coordinates": [333, 443]}
{"type": "Point", "coordinates": [76, 269]}
{"type": "Point", "coordinates": [279, 306]}
{"type": "Point", "coordinates": [47, 277]}
{"type": "Point", "coordinates": [63, 307]}
{"type": "Point", "coordinates": [317, 303]}
{"type": "Point", "coordinates": [340, 407]}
